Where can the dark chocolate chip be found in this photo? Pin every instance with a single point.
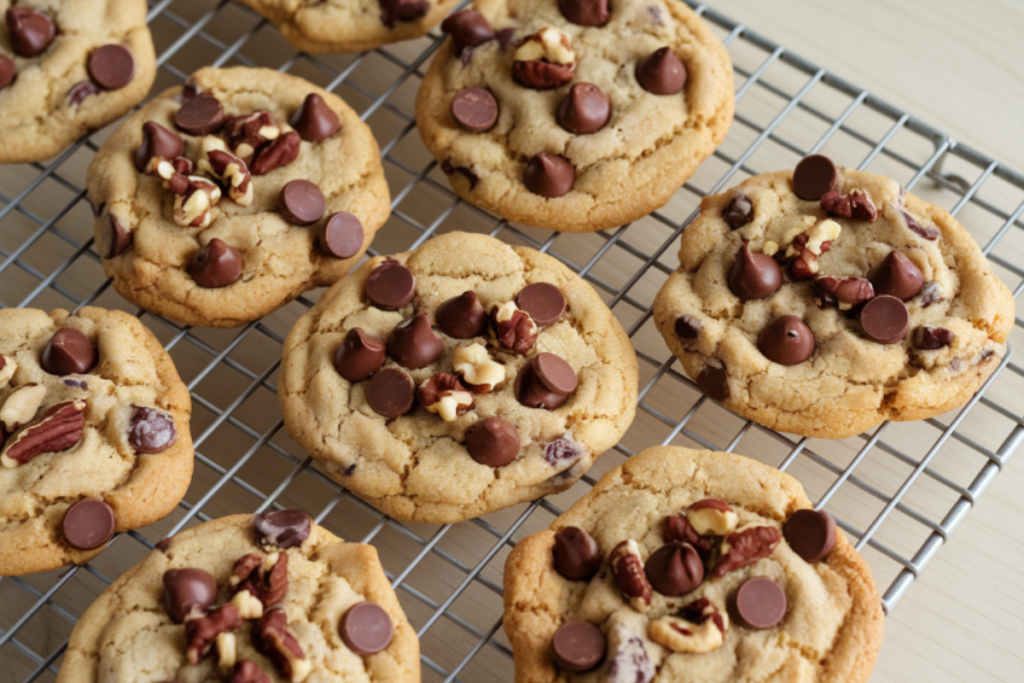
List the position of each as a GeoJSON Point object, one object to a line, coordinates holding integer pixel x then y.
{"type": "Point", "coordinates": [120, 238]}
{"type": "Point", "coordinates": [390, 286]}
{"type": "Point", "coordinates": [69, 352]}
{"type": "Point", "coordinates": [111, 66]}
{"type": "Point", "coordinates": [543, 301]}
{"type": "Point", "coordinates": [218, 264]}
{"type": "Point", "coordinates": [475, 109]}
{"type": "Point", "coordinates": [810, 533]}
{"type": "Point", "coordinates": [89, 523]}
{"type": "Point", "coordinates": [301, 202]}
{"type": "Point", "coordinates": [342, 235]}
{"type": "Point", "coordinates": [366, 628]}
{"type": "Point", "coordinates": [554, 373]}
{"type": "Point", "coordinates": [687, 328]}
{"type": "Point", "coordinates": [885, 319]}
{"type": "Point", "coordinates": [282, 528]}
{"type": "Point", "coordinates": [467, 28]}
{"type": "Point", "coordinates": [391, 392]}
{"type": "Point", "coordinates": [79, 91]}
{"type": "Point", "coordinates": [315, 120]}
{"type": "Point", "coordinates": [714, 382]}
{"type": "Point", "coordinates": [7, 71]}
{"type": "Point", "coordinates": [158, 142]}
{"type": "Point", "coordinates": [897, 276]}
{"type": "Point", "coordinates": [359, 356]}
{"type": "Point", "coordinates": [931, 338]}
{"type": "Point", "coordinates": [414, 344]}
{"type": "Point", "coordinates": [584, 110]}
{"type": "Point", "coordinates": [151, 431]}
{"type": "Point", "coordinates": [814, 177]}
{"type": "Point", "coordinates": [549, 175]}
{"type": "Point", "coordinates": [761, 603]}
{"type": "Point", "coordinates": [786, 341]}
{"type": "Point", "coordinates": [461, 317]}
{"type": "Point", "coordinates": [395, 11]}
{"type": "Point", "coordinates": [585, 12]}
{"type": "Point", "coordinates": [188, 592]}
{"type": "Point", "coordinates": [31, 30]}
{"type": "Point", "coordinates": [200, 115]}
{"type": "Point", "coordinates": [576, 554]}
{"type": "Point", "coordinates": [754, 276]}
{"type": "Point", "coordinates": [739, 211]}
{"type": "Point", "coordinates": [493, 442]}
{"type": "Point", "coordinates": [532, 393]}
{"type": "Point", "coordinates": [674, 569]}
{"type": "Point", "coordinates": [578, 646]}
{"type": "Point", "coordinates": [661, 72]}
{"type": "Point", "coordinates": [164, 544]}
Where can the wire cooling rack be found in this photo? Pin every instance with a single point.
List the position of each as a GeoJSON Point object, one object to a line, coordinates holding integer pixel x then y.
{"type": "Point", "coordinates": [898, 491]}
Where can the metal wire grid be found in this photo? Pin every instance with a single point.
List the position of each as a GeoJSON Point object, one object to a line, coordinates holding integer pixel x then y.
{"type": "Point", "coordinates": [448, 577]}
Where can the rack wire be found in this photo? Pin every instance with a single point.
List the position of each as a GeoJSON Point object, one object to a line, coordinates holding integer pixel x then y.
{"type": "Point", "coordinates": [899, 491]}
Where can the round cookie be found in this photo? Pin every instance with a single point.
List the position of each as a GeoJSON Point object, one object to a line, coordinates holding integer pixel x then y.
{"type": "Point", "coordinates": [69, 68]}
{"type": "Point", "coordinates": [94, 434]}
{"type": "Point", "coordinates": [457, 379]}
{"type": "Point", "coordinates": [678, 565]}
{"type": "Point", "coordinates": [351, 25]}
{"type": "Point", "coordinates": [598, 119]}
{"type": "Point", "coordinates": [823, 316]}
{"type": "Point", "coordinates": [221, 201]}
{"type": "Point", "coordinates": [256, 598]}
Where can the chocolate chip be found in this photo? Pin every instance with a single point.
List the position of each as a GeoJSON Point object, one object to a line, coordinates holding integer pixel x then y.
{"type": "Point", "coordinates": [554, 373]}
{"type": "Point", "coordinates": [391, 392]}
{"type": "Point", "coordinates": [687, 328]}
{"type": "Point", "coordinates": [467, 28]}
{"type": "Point", "coordinates": [475, 109]}
{"type": "Point", "coordinates": [111, 67]}
{"type": "Point", "coordinates": [578, 646]}
{"type": "Point", "coordinates": [359, 356]}
{"type": "Point", "coordinates": [413, 343]}
{"type": "Point", "coordinates": [584, 110]}
{"type": "Point", "coordinates": [761, 603]}
{"type": "Point", "coordinates": [163, 545]}
{"type": "Point", "coordinates": [395, 11]}
{"type": "Point", "coordinates": [739, 211]}
{"type": "Point", "coordinates": [927, 233]}
{"type": "Point", "coordinates": [461, 317]}
{"type": "Point", "coordinates": [390, 286]}
{"type": "Point", "coordinates": [151, 431]}
{"type": "Point", "coordinates": [576, 554]}
{"type": "Point", "coordinates": [493, 442]}
{"type": "Point", "coordinates": [533, 392]}
{"type": "Point", "coordinates": [366, 628]}
{"type": "Point", "coordinates": [811, 534]}
{"type": "Point", "coordinates": [31, 30]}
{"type": "Point", "coordinates": [188, 592]}
{"type": "Point", "coordinates": [897, 276]}
{"type": "Point", "coordinates": [786, 341]}
{"type": "Point", "coordinates": [342, 235]}
{"type": "Point", "coordinates": [282, 528]}
{"type": "Point", "coordinates": [714, 382]}
{"type": "Point", "coordinates": [79, 91]}
{"type": "Point", "coordinates": [674, 569]}
{"type": "Point", "coordinates": [200, 115]}
{"type": "Point", "coordinates": [754, 276]}
{"type": "Point", "coordinates": [814, 177]}
{"type": "Point", "coordinates": [315, 120]}
{"type": "Point", "coordinates": [661, 72]}
{"type": "Point", "coordinates": [585, 12]}
{"type": "Point", "coordinates": [543, 301]}
{"type": "Point", "coordinates": [69, 352]}
{"type": "Point", "coordinates": [158, 142]}
{"type": "Point", "coordinates": [885, 319]}
{"type": "Point", "coordinates": [218, 264]}
{"type": "Point", "coordinates": [7, 71]}
{"type": "Point", "coordinates": [931, 338]}
{"type": "Point", "coordinates": [89, 523]}
{"type": "Point", "coordinates": [549, 175]}
{"type": "Point", "coordinates": [301, 202]}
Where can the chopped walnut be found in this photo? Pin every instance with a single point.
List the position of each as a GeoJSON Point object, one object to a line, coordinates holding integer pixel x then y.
{"type": "Point", "coordinates": [272, 637]}
{"type": "Point", "coordinates": [232, 171]}
{"type": "Point", "coordinates": [247, 134]}
{"type": "Point", "coordinates": [513, 328]}
{"type": "Point", "coordinates": [699, 628]}
{"type": "Point", "coordinates": [856, 205]}
{"type": "Point", "coordinates": [196, 207]}
{"type": "Point", "coordinates": [264, 578]}
{"type": "Point", "coordinates": [202, 632]}
{"type": "Point", "coordinates": [477, 368]}
{"type": "Point", "coordinates": [445, 395]}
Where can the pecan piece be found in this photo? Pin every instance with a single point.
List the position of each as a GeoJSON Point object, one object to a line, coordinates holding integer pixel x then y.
{"type": "Point", "coordinates": [247, 671]}
{"type": "Point", "coordinates": [746, 546]}
{"type": "Point", "coordinates": [233, 173]}
{"type": "Point", "coordinates": [845, 292]}
{"type": "Point", "coordinates": [856, 205]}
{"type": "Point", "coordinates": [281, 152]}
{"type": "Point", "coordinates": [265, 578]}
{"type": "Point", "coordinates": [202, 632]}
{"type": "Point", "coordinates": [700, 627]}
{"type": "Point", "coordinates": [927, 233]}
{"type": "Point", "coordinates": [677, 529]}
{"type": "Point", "coordinates": [931, 338]}
{"type": "Point", "coordinates": [544, 60]}
{"type": "Point", "coordinates": [195, 207]}
{"type": "Point", "coordinates": [272, 638]}
{"type": "Point", "coordinates": [628, 569]}
{"type": "Point", "coordinates": [58, 429]}
{"type": "Point", "coordinates": [445, 395]}
{"type": "Point", "coordinates": [249, 133]}
{"type": "Point", "coordinates": [513, 328]}
{"type": "Point", "coordinates": [805, 248]}
{"type": "Point", "coordinates": [712, 516]}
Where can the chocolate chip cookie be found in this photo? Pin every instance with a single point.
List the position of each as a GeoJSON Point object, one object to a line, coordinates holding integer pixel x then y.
{"type": "Point", "coordinates": [351, 25]}
{"type": "Point", "coordinates": [824, 300]}
{"type": "Point", "coordinates": [223, 200]}
{"type": "Point", "coordinates": [94, 434]}
{"type": "Point", "coordinates": [697, 566]}
{"type": "Point", "coordinates": [457, 379]}
{"type": "Point", "coordinates": [68, 68]}
{"type": "Point", "coordinates": [247, 599]}
{"type": "Point", "coordinates": [574, 115]}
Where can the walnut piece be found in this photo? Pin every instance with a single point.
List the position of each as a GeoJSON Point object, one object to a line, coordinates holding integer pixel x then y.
{"type": "Point", "coordinates": [700, 628]}
{"type": "Point", "coordinates": [477, 368]}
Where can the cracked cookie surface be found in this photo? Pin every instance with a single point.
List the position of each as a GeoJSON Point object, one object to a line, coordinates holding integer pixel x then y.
{"type": "Point", "coordinates": [128, 636]}
{"type": "Point", "coordinates": [649, 146]}
{"type": "Point", "coordinates": [416, 466]}
{"type": "Point", "coordinates": [53, 98]}
{"type": "Point", "coordinates": [830, 628]}
{"type": "Point", "coordinates": [148, 248]}
{"type": "Point", "coordinates": [958, 313]}
{"type": "Point", "coordinates": [131, 371]}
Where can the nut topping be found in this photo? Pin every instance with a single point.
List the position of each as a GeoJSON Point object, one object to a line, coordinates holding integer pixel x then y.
{"type": "Point", "coordinates": [628, 568]}
{"type": "Point", "coordinates": [272, 637]}
{"type": "Point", "coordinates": [746, 546]}
{"type": "Point", "coordinates": [228, 168]}
{"type": "Point", "coordinates": [477, 369]}
{"type": "Point", "coordinates": [544, 60]}
{"type": "Point", "coordinates": [195, 207]}
{"type": "Point", "coordinates": [8, 366]}
{"type": "Point", "coordinates": [677, 529]}
{"type": "Point", "coordinates": [202, 632]}
{"type": "Point", "coordinates": [699, 628]}
{"type": "Point", "coordinates": [248, 605]}
{"type": "Point", "coordinates": [281, 152]}
{"type": "Point", "coordinates": [931, 338]}
{"type": "Point", "coordinates": [247, 671]}
{"type": "Point", "coordinates": [246, 134]}
{"type": "Point", "coordinates": [265, 578]}
{"type": "Point", "coordinates": [513, 328]}
{"type": "Point", "coordinates": [845, 292]}
{"type": "Point", "coordinates": [856, 205]}
{"type": "Point", "coordinates": [445, 395]}
{"type": "Point", "coordinates": [57, 430]}
{"type": "Point", "coordinates": [227, 650]}
{"type": "Point", "coordinates": [21, 405]}
{"type": "Point", "coordinates": [711, 516]}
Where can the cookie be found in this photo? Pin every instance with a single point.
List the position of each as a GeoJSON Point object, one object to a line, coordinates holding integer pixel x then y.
{"type": "Point", "coordinates": [67, 69]}
{"type": "Point", "coordinates": [457, 379]}
{"type": "Point", "coordinates": [223, 200]}
{"type": "Point", "coordinates": [696, 566]}
{"type": "Point", "coordinates": [824, 301]}
{"type": "Point", "coordinates": [247, 598]}
{"type": "Point", "coordinates": [351, 25]}
{"type": "Point", "coordinates": [94, 434]}
{"type": "Point", "coordinates": [574, 115]}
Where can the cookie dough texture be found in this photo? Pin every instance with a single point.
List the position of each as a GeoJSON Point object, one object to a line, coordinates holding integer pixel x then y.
{"type": "Point", "coordinates": [279, 260]}
{"type": "Point", "coordinates": [37, 119]}
{"type": "Point", "coordinates": [133, 370]}
{"type": "Point", "coordinates": [127, 637]}
{"type": "Point", "coordinates": [850, 383]}
{"type": "Point", "coordinates": [416, 467]}
{"type": "Point", "coordinates": [344, 25]}
{"type": "Point", "coordinates": [650, 146]}
{"type": "Point", "coordinates": [832, 630]}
